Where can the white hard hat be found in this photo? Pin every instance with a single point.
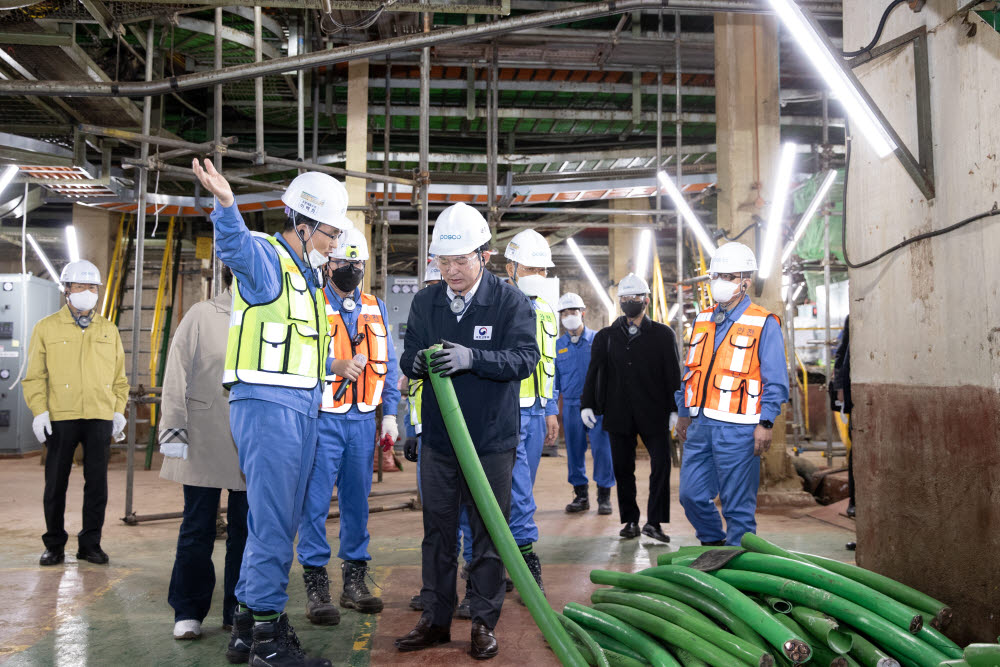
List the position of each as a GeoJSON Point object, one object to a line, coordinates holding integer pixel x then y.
{"type": "Point", "coordinates": [320, 197]}
{"type": "Point", "coordinates": [432, 272]}
{"type": "Point", "coordinates": [351, 245]}
{"type": "Point", "coordinates": [530, 249]}
{"type": "Point", "coordinates": [632, 285]}
{"type": "Point", "coordinates": [459, 230]}
{"type": "Point", "coordinates": [733, 257]}
{"type": "Point", "coordinates": [80, 271]}
{"type": "Point", "coordinates": [570, 300]}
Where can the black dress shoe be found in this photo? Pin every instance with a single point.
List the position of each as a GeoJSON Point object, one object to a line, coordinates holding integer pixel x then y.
{"type": "Point", "coordinates": [95, 555]}
{"type": "Point", "coordinates": [52, 557]}
{"type": "Point", "coordinates": [484, 643]}
{"type": "Point", "coordinates": [631, 530]}
{"type": "Point", "coordinates": [717, 543]}
{"type": "Point", "coordinates": [424, 635]}
{"type": "Point", "coordinates": [652, 530]}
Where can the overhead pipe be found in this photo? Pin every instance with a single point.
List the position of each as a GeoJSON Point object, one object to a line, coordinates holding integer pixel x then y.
{"type": "Point", "coordinates": [174, 84]}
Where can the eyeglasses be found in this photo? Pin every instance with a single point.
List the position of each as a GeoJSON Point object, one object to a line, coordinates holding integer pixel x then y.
{"type": "Point", "coordinates": [461, 262]}
{"type": "Point", "coordinates": [633, 299]}
{"type": "Point", "coordinates": [355, 263]}
{"type": "Point", "coordinates": [336, 235]}
{"type": "Point", "coordinates": [730, 277]}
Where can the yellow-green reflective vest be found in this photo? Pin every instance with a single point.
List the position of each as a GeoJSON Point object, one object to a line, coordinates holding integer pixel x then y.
{"type": "Point", "coordinates": [282, 343]}
{"type": "Point", "coordinates": [542, 380]}
{"type": "Point", "coordinates": [415, 393]}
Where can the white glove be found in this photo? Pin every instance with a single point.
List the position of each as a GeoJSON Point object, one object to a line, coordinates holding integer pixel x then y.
{"type": "Point", "coordinates": [42, 426]}
{"type": "Point", "coordinates": [588, 417]}
{"type": "Point", "coordinates": [389, 427]}
{"type": "Point", "coordinates": [117, 424]}
{"type": "Point", "coordinates": [673, 420]}
{"type": "Point", "coordinates": [174, 450]}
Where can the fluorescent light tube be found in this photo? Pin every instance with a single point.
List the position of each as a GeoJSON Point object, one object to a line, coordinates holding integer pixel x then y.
{"type": "Point", "coordinates": [779, 201]}
{"type": "Point", "coordinates": [673, 311]}
{"type": "Point", "coordinates": [589, 272]}
{"type": "Point", "coordinates": [45, 259]}
{"type": "Point", "coordinates": [814, 205]}
{"type": "Point", "coordinates": [682, 207]}
{"type": "Point", "coordinates": [7, 176]}
{"type": "Point", "coordinates": [798, 290]}
{"type": "Point", "coordinates": [642, 258]}
{"type": "Point", "coordinates": [72, 248]}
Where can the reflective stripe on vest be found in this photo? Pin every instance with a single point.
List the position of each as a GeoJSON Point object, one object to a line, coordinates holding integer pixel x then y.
{"type": "Point", "coordinates": [415, 393]}
{"type": "Point", "coordinates": [725, 383]}
{"type": "Point", "coordinates": [373, 345]}
{"type": "Point", "coordinates": [280, 343]}
{"type": "Point", "coordinates": [541, 382]}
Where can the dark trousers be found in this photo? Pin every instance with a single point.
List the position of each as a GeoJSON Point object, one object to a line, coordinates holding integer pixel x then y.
{"type": "Point", "coordinates": [444, 493]}
{"type": "Point", "coordinates": [193, 579]}
{"type": "Point", "coordinates": [850, 461]}
{"type": "Point", "coordinates": [95, 436]}
{"type": "Point", "coordinates": [623, 458]}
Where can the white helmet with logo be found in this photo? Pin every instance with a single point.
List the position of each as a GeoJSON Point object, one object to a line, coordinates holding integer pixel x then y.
{"type": "Point", "coordinates": [459, 230]}
{"type": "Point", "coordinates": [530, 249]}
{"type": "Point", "coordinates": [432, 272]}
{"type": "Point", "coordinates": [570, 300]}
{"type": "Point", "coordinates": [733, 258]}
{"type": "Point", "coordinates": [632, 285]}
{"type": "Point", "coordinates": [352, 245]}
{"type": "Point", "coordinates": [80, 271]}
{"type": "Point", "coordinates": [320, 197]}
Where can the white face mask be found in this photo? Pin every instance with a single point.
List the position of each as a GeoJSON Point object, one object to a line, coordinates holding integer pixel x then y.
{"type": "Point", "coordinates": [83, 301]}
{"type": "Point", "coordinates": [317, 259]}
{"type": "Point", "coordinates": [572, 322]}
{"type": "Point", "coordinates": [723, 290]}
{"type": "Point", "coordinates": [531, 285]}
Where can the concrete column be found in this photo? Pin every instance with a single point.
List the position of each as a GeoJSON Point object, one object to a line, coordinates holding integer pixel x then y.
{"type": "Point", "coordinates": [925, 332]}
{"type": "Point", "coordinates": [623, 243]}
{"type": "Point", "coordinates": [95, 234]}
{"type": "Point", "coordinates": [357, 150]}
{"type": "Point", "coordinates": [748, 138]}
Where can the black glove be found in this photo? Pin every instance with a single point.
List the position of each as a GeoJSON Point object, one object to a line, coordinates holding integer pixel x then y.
{"type": "Point", "coordinates": [410, 450]}
{"type": "Point", "coordinates": [420, 365]}
{"type": "Point", "coordinates": [451, 359]}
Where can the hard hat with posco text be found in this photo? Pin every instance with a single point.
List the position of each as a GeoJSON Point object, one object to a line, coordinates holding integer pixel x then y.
{"type": "Point", "coordinates": [351, 246]}
{"type": "Point", "coordinates": [632, 285]}
{"type": "Point", "coordinates": [570, 300]}
{"type": "Point", "coordinates": [459, 230]}
{"type": "Point", "coordinates": [530, 249]}
{"type": "Point", "coordinates": [80, 271]}
{"type": "Point", "coordinates": [733, 257]}
{"type": "Point", "coordinates": [320, 197]}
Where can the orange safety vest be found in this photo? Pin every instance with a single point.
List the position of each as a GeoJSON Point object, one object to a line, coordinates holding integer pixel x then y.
{"type": "Point", "coordinates": [725, 383]}
{"type": "Point", "coordinates": [366, 391]}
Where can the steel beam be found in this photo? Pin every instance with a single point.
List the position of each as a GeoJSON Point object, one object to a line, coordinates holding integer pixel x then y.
{"type": "Point", "coordinates": [501, 7]}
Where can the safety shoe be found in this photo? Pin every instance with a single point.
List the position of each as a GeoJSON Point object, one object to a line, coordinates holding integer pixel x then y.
{"type": "Point", "coordinates": [603, 500]}
{"type": "Point", "coordinates": [653, 530]}
{"type": "Point", "coordinates": [275, 644]}
{"type": "Point", "coordinates": [93, 555]}
{"type": "Point", "coordinates": [535, 567]}
{"type": "Point", "coordinates": [417, 603]}
{"type": "Point", "coordinates": [630, 530]}
{"type": "Point", "coordinates": [240, 641]}
{"type": "Point", "coordinates": [356, 594]}
{"type": "Point", "coordinates": [319, 609]}
{"type": "Point", "coordinates": [581, 503]}
{"type": "Point", "coordinates": [52, 557]}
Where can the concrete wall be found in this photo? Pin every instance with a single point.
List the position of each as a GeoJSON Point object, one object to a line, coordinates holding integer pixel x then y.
{"type": "Point", "coordinates": [926, 323]}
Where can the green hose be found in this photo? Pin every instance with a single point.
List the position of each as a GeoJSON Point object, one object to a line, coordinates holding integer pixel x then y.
{"type": "Point", "coordinates": [546, 619]}
{"type": "Point", "coordinates": [698, 625]}
{"type": "Point", "coordinates": [983, 655]}
{"type": "Point", "coordinates": [680, 595]}
{"type": "Point", "coordinates": [823, 628]}
{"type": "Point", "coordinates": [885, 633]}
{"type": "Point", "coordinates": [612, 645]}
{"type": "Point", "coordinates": [594, 654]}
{"type": "Point", "coordinates": [719, 590]}
{"type": "Point", "coordinates": [955, 663]}
{"type": "Point", "coordinates": [868, 654]}
{"type": "Point", "coordinates": [689, 660]}
{"type": "Point", "coordinates": [778, 605]}
{"type": "Point", "coordinates": [650, 649]}
{"type": "Point", "coordinates": [671, 633]}
{"type": "Point", "coordinates": [683, 552]}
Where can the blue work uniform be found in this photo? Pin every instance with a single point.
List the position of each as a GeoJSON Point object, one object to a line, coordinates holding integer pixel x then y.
{"type": "Point", "coordinates": [275, 428]}
{"type": "Point", "coordinates": [572, 361]}
{"type": "Point", "coordinates": [718, 456]}
{"type": "Point", "coordinates": [345, 457]}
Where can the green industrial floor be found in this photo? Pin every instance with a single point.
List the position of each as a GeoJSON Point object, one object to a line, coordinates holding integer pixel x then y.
{"type": "Point", "coordinates": [83, 614]}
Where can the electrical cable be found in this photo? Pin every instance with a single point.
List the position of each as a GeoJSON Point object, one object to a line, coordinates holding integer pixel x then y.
{"type": "Point", "coordinates": [995, 211]}
{"type": "Point", "coordinates": [722, 233]}
{"type": "Point", "coordinates": [878, 32]}
{"type": "Point", "coordinates": [360, 24]}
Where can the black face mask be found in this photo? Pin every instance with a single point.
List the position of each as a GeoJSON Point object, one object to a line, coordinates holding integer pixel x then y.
{"type": "Point", "coordinates": [347, 278]}
{"type": "Point", "coordinates": [632, 308]}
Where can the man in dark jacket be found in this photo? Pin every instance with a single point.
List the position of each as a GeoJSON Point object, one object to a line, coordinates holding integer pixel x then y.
{"type": "Point", "coordinates": [840, 387]}
{"type": "Point", "coordinates": [633, 374]}
{"type": "Point", "coordinates": [488, 332]}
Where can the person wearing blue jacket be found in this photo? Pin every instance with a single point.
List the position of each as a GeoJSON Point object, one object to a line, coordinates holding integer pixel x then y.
{"type": "Point", "coordinates": [572, 361]}
{"type": "Point", "coordinates": [487, 331]}
{"type": "Point", "coordinates": [731, 395]}
{"type": "Point", "coordinates": [275, 366]}
{"type": "Point", "coordinates": [345, 454]}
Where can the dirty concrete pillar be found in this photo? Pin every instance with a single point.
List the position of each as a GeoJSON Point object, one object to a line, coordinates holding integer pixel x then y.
{"type": "Point", "coordinates": [748, 138]}
{"type": "Point", "coordinates": [357, 150]}
{"type": "Point", "coordinates": [925, 332]}
{"type": "Point", "coordinates": [623, 243]}
{"type": "Point", "coordinates": [95, 234]}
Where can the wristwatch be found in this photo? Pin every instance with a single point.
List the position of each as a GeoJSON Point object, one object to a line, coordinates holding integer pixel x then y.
{"type": "Point", "coordinates": [766, 423]}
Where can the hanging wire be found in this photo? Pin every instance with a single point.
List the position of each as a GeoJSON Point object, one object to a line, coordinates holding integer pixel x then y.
{"type": "Point", "coordinates": [361, 24]}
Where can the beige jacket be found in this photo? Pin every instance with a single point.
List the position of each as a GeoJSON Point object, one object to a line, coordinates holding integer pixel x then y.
{"type": "Point", "coordinates": [194, 399]}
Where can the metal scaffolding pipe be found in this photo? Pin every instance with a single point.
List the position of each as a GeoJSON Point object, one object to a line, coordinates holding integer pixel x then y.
{"type": "Point", "coordinates": [424, 148]}
{"type": "Point", "coordinates": [217, 123]}
{"type": "Point", "coordinates": [258, 83]}
{"type": "Point", "coordinates": [88, 88]}
{"type": "Point", "coordinates": [678, 111]}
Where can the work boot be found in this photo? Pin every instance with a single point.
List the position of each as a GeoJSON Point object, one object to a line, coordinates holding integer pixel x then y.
{"type": "Point", "coordinates": [581, 503]}
{"type": "Point", "coordinates": [417, 603]}
{"type": "Point", "coordinates": [603, 500]}
{"type": "Point", "coordinates": [241, 639]}
{"type": "Point", "coordinates": [319, 609]}
{"type": "Point", "coordinates": [535, 567]}
{"type": "Point", "coordinates": [356, 594]}
{"type": "Point", "coordinates": [275, 644]}
{"type": "Point", "coordinates": [716, 543]}
{"type": "Point", "coordinates": [464, 609]}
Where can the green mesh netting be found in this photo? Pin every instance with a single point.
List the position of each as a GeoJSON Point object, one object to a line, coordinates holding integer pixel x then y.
{"type": "Point", "coordinates": [810, 246]}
